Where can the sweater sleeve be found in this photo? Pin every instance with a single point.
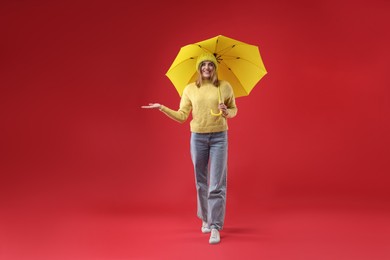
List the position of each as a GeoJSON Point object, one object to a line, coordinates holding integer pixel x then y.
{"type": "Point", "coordinates": [182, 114]}
{"type": "Point", "coordinates": [230, 102]}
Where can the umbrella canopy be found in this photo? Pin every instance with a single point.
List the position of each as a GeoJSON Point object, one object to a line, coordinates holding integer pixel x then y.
{"type": "Point", "coordinates": [239, 63]}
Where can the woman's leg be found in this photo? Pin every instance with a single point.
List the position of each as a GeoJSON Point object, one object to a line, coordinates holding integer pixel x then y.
{"type": "Point", "coordinates": [200, 159]}
{"type": "Point", "coordinates": [218, 180]}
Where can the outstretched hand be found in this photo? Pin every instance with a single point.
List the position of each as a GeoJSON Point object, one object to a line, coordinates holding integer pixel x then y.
{"type": "Point", "coordinates": [153, 105]}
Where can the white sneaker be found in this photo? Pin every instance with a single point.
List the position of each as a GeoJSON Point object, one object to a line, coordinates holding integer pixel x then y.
{"type": "Point", "coordinates": [214, 237]}
{"type": "Point", "coordinates": [205, 229]}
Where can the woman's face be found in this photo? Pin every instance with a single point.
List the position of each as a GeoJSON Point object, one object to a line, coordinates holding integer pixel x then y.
{"type": "Point", "coordinates": [207, 69]}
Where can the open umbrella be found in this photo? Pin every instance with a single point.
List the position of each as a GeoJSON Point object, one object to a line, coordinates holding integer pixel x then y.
{"type": "Point", "coordinates": [239, 63]}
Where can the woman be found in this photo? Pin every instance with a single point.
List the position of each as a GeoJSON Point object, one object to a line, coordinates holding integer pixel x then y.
{"type": "Point", "coordinates": [209, 139]}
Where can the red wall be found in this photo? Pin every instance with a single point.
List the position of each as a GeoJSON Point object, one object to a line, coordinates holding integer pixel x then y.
{"type": "Point", "coordinates": [74, 75]}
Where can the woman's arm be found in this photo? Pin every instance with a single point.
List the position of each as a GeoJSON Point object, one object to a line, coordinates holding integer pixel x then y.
{"type": "Point", "coordinates": [229, 108]}
{"type": "Point", "coordinates": [180, 115]}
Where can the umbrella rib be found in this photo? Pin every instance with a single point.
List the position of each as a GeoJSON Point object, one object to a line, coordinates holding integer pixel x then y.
{"type": "Point", "coordinates": [223, 52]}
{"type": "Point", "coordinates": [226, 50]}
{"type": "Point", "coordinates": [234, 75]}
{"type": "Point", "coordinates": [203, 48]}
{"type": "Point", "coordinates": [239, 58]}
{"type": "Point", "coordinates": [191, 58]}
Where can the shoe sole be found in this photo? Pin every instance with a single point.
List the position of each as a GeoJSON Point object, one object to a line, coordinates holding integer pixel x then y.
{"type": "Point", "coordinates": [214, 242]}
{"type": "Point", "coordinates": [205, 231]}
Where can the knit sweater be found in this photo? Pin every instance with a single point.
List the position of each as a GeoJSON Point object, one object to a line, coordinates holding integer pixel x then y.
{"type": "Point", "coordinates": [201, 100]}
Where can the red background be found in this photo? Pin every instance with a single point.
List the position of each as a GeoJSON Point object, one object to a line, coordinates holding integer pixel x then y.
{"type": "Point", "coordinates": [85, 172]}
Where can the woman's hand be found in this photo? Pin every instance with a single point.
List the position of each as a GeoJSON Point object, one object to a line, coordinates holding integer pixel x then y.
{"type": "Point", "coordinates": [224, 109]}
{"type": "Point", "coordinates": [153, 105]}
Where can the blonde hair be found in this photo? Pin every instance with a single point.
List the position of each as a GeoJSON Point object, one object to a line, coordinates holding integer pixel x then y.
{"type": "Point", "coordinates": [214, 77]}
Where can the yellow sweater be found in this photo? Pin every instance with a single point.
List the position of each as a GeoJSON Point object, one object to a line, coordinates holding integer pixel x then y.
{"type": "Point", "coordinates": [200, 101]}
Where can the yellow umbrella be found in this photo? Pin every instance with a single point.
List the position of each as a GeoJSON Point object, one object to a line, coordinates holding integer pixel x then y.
{"type": "Point", "coordinates": [239, 63]}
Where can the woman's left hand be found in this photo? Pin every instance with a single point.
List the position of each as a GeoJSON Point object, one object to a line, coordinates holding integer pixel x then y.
{"type": "Point", "coordinates": [223, 108]}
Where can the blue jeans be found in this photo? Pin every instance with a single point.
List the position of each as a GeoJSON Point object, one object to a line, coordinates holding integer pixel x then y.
{"type": "Point", "coordinates": [209, 155]}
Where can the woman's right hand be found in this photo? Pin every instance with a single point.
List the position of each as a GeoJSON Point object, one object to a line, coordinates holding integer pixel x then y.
{"type": "Point", "coordinates": [153, 105]}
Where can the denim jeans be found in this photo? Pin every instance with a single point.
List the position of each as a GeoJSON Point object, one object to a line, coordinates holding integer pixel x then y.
{"type": "Point", "coordinates": [209, 155]}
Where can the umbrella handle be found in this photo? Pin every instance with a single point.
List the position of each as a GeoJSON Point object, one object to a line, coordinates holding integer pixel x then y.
{"type": "Point", "coordinates": [219, 102]}
{"type": "Point", "coordinates": [216, 114]}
